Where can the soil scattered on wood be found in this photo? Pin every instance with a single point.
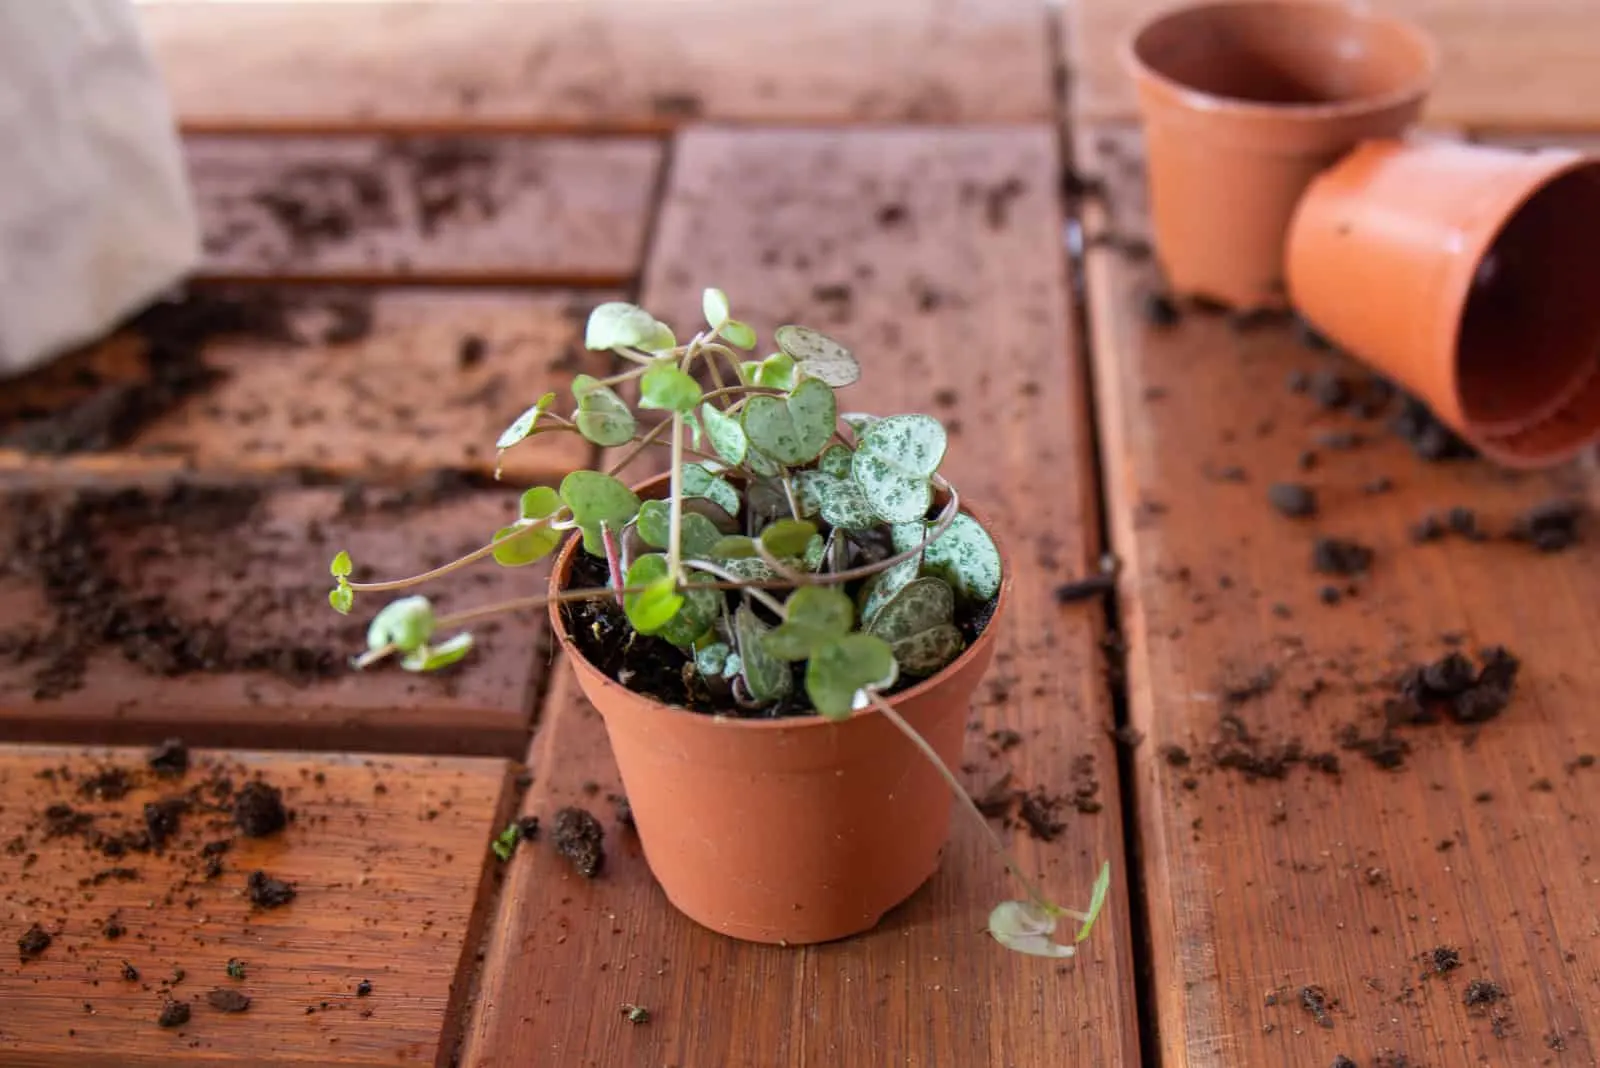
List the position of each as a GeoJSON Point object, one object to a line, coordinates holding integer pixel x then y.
{"type": "Point", "coordinates": [267, 892]}
{"type": "Point", "coordinates": [578, 836]}
{"type": "Point", "coordinates": [225, 1000]}
{"type": "Point", "coordinates": [174, 1014]}
{"type": "Point", "coordinates": [1340, 556]}
{"type": "Point", "coordinates": [258, 810]}
{"type": "Point", "coordinates": [34, 942]}
{"type": "Point", "coordinates": [1550, 527]}
{"type": "Point", "coordinates": [1315, 1001]}
{"type": "Point", "coordinates": [1440, 960]}
{"type": "Point", "coordinates": [1481, 993]}
{"type": "Point", "coordinates": [1292, 499]}
{"type": "Point", "coordinates": [169, 759]}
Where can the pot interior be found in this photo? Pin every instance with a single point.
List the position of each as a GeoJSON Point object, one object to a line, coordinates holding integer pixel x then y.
{"type": "Point", "coordinates": [1529, 339]}
{"type": "Point", "coordinates": [1284, 52]}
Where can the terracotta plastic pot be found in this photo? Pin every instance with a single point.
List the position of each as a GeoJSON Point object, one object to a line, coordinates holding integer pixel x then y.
{"type": "Point", "coordinates": [1243, 102]}
{"type": "Point", "coordinates": [787, 831]}
{"type": "Point", "coordinates": [1469, 274]}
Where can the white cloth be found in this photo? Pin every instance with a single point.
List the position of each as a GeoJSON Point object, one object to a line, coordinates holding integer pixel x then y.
{"type": "Point", "coordinates": [96, 216]}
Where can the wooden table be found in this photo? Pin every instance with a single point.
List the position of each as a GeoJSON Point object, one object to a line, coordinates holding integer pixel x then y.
{"type": "Point", "coordinates": [408, 210]}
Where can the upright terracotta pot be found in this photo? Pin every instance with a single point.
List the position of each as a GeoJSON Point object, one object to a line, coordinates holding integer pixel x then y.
{"type": "Point", "coordinates": [787, 831]}
{"type": "Point", "coordinates": [1469, 274]}
{"type": "Point", "coordinates": [1243, 102]}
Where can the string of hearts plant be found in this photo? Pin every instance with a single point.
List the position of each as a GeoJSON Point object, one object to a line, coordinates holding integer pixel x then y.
{"type": "Point", "coordinates": [799, 561]}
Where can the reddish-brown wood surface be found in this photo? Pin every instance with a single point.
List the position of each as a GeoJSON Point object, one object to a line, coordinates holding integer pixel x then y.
{"type": "Point", "coordinates": [350, 381]}
{"type": "Point", "coordinates": [1482, 841]}
{"type": "Point", "coordinates": [935, 255]}
{"type": "Point", "coordinates": [606, 64]}
{"type": "Point", "coordinates": [387, 858]}
{"type": "Point", "coordinates": [128, 614]}
{"type": "Point", "coordinates": [481, 209]}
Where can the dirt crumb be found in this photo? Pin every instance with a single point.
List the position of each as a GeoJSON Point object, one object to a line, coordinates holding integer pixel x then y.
{"type": "Point", "coordinates": [225, 1000]}
{"type": "Point", "coordinates": [169, 759]}
{"type": "Point", "coordinates": [33, 942]}
{"type": "Point", "coordinates": [578, 836]}
{"type": "Point", "coordinates": [258, 809]}
{"type": "Point", "coordinates": [1340, 556]}
{"type": "Point", "coordinates": [173, 1014]}
{"type": "Point", "coordinates": [1292, 499]}
{"type": "Point", "coordinates": [267, 892]}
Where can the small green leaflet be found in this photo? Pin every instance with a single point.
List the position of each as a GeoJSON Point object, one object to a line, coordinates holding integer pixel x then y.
{"type": "Point", "coordinates": [727, 436]}
{"type": "Point", "coordinates": [596, 498]}
{"type": "Point", "coordinates": [434, 657]}
{"type": "Point", "coordinates": [341, 566]}
{"type": "Point", "coordinates": [652, 608]}
{"type": "Point", "coordinates": [894, 460]}
{"type": "Point", "coordinates": [524, 423]}
{"type": "Point", "coordinates": [714, 302]}
{"type": "Point", "coordinates": [700, 482]}
{"type": "Point", "coordinates": [794, 429]}
{"type": "Point", "coordinates": [840, 672]}
{"type": "Point", "coordinates": [405, 625]}
{"type": "Point", "coordinates": [739, 335]}
{"type": "Point", "coordinates": [818, 355]}
{"type": "Point", "coordinates": [665, 388]}
{"type": "Point", "coordinates": [601, 417]}
{"type": "Point", "coordinates": [617, 324]}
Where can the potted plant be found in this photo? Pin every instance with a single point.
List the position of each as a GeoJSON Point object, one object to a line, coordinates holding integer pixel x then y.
{"type": "Point", "coordinates": [782, 633]}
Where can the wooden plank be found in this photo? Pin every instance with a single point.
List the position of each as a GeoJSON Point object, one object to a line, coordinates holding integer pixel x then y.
{"type": "Point", "coordinates": [626, 65]}
{"type": "Point", "coordinates": [348, 381]}
{"type": "Point", "coordinates": [1479, 841]}
{"type": "Point", "coordinates": [1501, 64]}
{"type": "Point", "coordinates": [386, 860]}
{"type": "Point", "coordinates": [497, 210]}
{"type": "Point", "coordinates": [132, 612]}
{"type": "Point", "coordinates": [936, 256]}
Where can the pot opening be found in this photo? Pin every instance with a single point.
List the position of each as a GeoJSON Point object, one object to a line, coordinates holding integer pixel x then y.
{"type": "Point", "coordinates": [1529, 343]}
{"type": "Point", "coordinates": [1286, 53]}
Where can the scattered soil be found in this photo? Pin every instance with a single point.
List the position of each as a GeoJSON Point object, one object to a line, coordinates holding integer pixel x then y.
{"type": "Point", "coordinates": [1341, 1061]}
{"type": "Point", "coordinates": [170, 759]}
{"type": "Point", "coordinates": [258, 810]}
{"type": "Point", "coordinates": [1085, 589]}
{"type": "Point", "coordinates": [364, 988]}
{"type": "Point", "coordinates": [109, 413]}
{"type": "Point", "coordinates": [61, 541]}
{"type": "Point", "coordinates": [34, 942]}
{"type": "Point", "coordinates": [471, 352]}
{"type": "Point", "coordinates": [1550, 527]}
{"type": "Point", "coordinates": [224, 1000]}
{"type": "Point", "coordinates": [267, 892]}
{"type": "Point", "coordinates": [1239, 749]}
{"type": "Point", "coordinates": [578, 836]}
{"type": "Point", "coordinates": [1454, 687]}
{"type": "Point", "coordinates": [1440, 960]}
{"type": "Point", "coordinates": [1340, 556]}
{"type": "Point", "coordinates": [1159, 311]}
{"type": "Point", "coordinates": [1038, 810]}
{"type": "Point", "coordinates": [1315, 1001]}
{"type": "Point", "coordinates": [1292, 499]}
{"type": "Point", "coordinates": [1176, 756]}
{"type": "Point", "coordinates": [1085, 785]}
{"type": "Point", "coordinates": [1429, 439]}
{"type": "Point", "coordinates": [163, 818]}
{"type": "Point", "coordinates": [174, 1014]}
{"type": "Point", "coordinates": [1329, 389]}
{"type": "Point", "coordinates": [112, 784]}
{"type": "Point", "coordinates": [1481, 993]}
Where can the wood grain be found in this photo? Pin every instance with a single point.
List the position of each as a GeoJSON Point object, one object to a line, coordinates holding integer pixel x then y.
{"type": "Point", "coordinates": [936, 256]}
{"type": "Point", "coordinates": [129, 616]}
{"type": "Point", "coordinates": [348, 381]}
{"type": "Point", "coordinates": [498, 210]}
{"type": "Point", "coordinates": [387, 860]}
{"type": "Point", "coordinates": [1481, 841]}
{"type": "Point", "coordinates": [599, 64]}
{"type": "Point", "coordinates": [1524, 64]}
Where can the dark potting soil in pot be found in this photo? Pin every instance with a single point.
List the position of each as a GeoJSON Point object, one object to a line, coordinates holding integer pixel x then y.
{"type": "Point", "coordinates": [658, 669]}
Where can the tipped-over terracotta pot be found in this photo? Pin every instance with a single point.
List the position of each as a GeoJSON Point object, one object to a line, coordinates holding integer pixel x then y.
{"type": "Point", "coordinates": [1242, 103]}
{"type": "Point", "coordinates": [1469, 274]}
{"type": "Point", "coordinates": [788, 831]}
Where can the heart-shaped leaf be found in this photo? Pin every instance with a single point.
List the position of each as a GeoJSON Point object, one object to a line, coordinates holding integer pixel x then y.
{"type": "Point", "coordinates": [839, 673]}
{"type": "Point", "coordinates": [655, 606]}
{"type": "Point", "coordinates": [895, 458]}
{"type": "Point", "coordinates": [884, 585]}
{"type": "Point", "coordinates": [532, 545]}
{"type": "Point", "coordinates": [815, 550]}
{"type": "Point", "coordinates": [699, 482]}
{"type": "Point", "coordinates": [596, 498]}
{"type": "Point", "coordinates": [839, 501]}
{"type": "Point", "coordinates": [602, 417]}
{"type": "Point", "coordinates": [342, 566]}
{"type": "Point", "coordinates": [917, 624]}
{"type": "Point", "coordinates": [794, 429]}
{"type": "Point", "coordinates": [858, 421]}
{"type": "Point", "coordinates": [539, 502]}
{"type": "Point", "coordinates": [749, 568]}
{"type": "Point", "coordinates": [964, 556]}
{"type": "Point", "coordinates": [524, 423]}
{"type": "Point", "coordinates": [617, 324]}
{"type": "Point", "coordinates": [405, 624]}
{"type": "Point", "coordinates": [734, 547]}
{"type": "Point", "coordinates": [727, 436]}
{"type": "Point", "coordinates": [766, 677]}
{"type": "Point", "coordinates": [699, 534]}
{"type": "Point", "coordinates": [818, 355]}
{"type": "Point", "coordinates": [342, 598]}
{"type": "Point", "coordinates": [714, 302]}
{"type": "Point", "coordinates": [788, 537]}
{"type": "Point", "coordinates": [836, 460]}
{"type": "Point", "coordinates": [434, 657]}
{"type": "Point", "coordinates": [665, 388]}
{"type": "Point", "coordinates": [1026, 927]}
{"type": "Point", "coordinates": [711, 659]}
{"type": "Point", "coordinates": [740, 335]}
{"type": "Point", "coordinates": [775, 372]}
{"type": "Point", "coordinates": [813, 617]}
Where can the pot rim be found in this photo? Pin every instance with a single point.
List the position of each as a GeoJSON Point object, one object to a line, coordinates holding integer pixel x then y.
{"type": "Point", "coordinates": [1259, 111]}
{"type": "Point", "coordinates": [810, 722]}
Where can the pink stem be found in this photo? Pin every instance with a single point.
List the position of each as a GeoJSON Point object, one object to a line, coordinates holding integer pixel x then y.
{"type": "Point", "coordinates": [613, 558]}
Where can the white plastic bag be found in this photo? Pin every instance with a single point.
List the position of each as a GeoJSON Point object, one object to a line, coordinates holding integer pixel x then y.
{"type": "Point", "coordinates": [96, 216]}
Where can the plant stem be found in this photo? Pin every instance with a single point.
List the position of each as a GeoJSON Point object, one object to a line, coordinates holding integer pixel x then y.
{"type": "Point", "coordinates": [730, 580]}
{"type": "Point", "coordinates": [467, 615]}
{"type": "Point", "coordinates": [455, 565]}
{"type": "Point", "coordinates": [636, 357]}
{"type": "Point", "coordinates": [675, 539]}
{"type": "Point", "coordinates": [638, 446]}
{"type": "Point", "coordinates": [625, 376]}
{"type": "Point", "coordinates": [613, 558]}
{"type": "Point", "coordinates": [788, 492]}
{"type": "Point", "coordinates": [966, 799]}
